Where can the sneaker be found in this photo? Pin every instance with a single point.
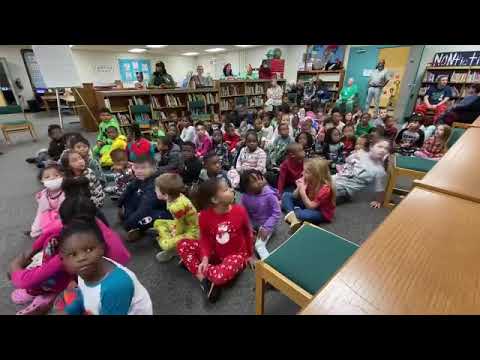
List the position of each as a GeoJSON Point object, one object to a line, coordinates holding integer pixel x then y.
{"type": "Point", "coordinates": [31, 160]}
{"type": "Point", "coordinates": [165, 255]}
{"type": "Point", "coordinates": [288, 217]}
{"type": "Point", "coordinates": [261, 250]}
{"type": "Point", "coordinates": [134, 235]}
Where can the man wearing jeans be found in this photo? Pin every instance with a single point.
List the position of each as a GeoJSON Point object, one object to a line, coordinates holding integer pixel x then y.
{"type": "Point", "coordinates": [378, 79]}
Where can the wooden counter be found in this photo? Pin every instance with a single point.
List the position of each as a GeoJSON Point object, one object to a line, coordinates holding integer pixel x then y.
{"type": "Point", "coordinates": [424, 259]}
{"type": "Point", "coordinates": [458, 172]}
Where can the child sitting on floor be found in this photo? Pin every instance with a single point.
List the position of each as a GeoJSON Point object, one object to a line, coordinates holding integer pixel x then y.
{"type": "Point", "coordinates": [138, 205]}
{"type": "Point", "coordinates": [221, 149]}
{"type": "Point", "coordinates": [390, 130]}
{"type": "Point", "coordinates": [104, 286]}
{"type": "Point", "coordinates": [278, 149]}
{"type": "Point", "coordinates": [122, 174]}
{"type": "Point", "coordinates": [348, 140]}
{"type": "Point", "coordinates": [364, 169]}
{"type": "Point", "coordinates": [118, 142]}
{"type": "Point", "coordinates": [138, 146]}
{"type": "Point", "coordinates": [333, 149]}
{"type": "Point", "coordinates": [380, 120]}
{"type": "Point", "coordinates": [364, 126]}
{"type": "Point", "coordinates": [81, 145]}
{"type": "Point", "coordinates": [188, 131]}
{"type": "Point", "coordinates": [410, 138]}
{"type": "Point", "coordinates": [226, 242]}
{"type": "Point", "coordinates": [314, 198]}
{"type": "Point", "coordinates": [169, 157]}
{"type": "Point", "coordinates": [39, 283]}
{"type": "Point", "coordinates": [74, 166]}
{"type": "Point", "coordinates": [49, 199]}
{"type": "Point", "coordinates": [172, 131]}
{"type": "Point", "coordinates": [203, 141]}
{"type": "Point", "coordinates": [291, 169]}
{"type": "Point", "coordinates": [436, 145]}
{"type": "Point", "coordinates": [306, 140]}
{"type": "Point", "coordinates": [251, 156]}
{"type": "Point", "coordinates": [184, 225]}
{"type": "Point", "coordinates": [268, 129]}
{"type": "Point", "coordinates": [212, 169]}
{"type": "Point", "coordinates": [261, 202]}
{"type": "Point", "coordinates": [106, 120]}
{"type": "Point", "coordinates": [191, 164]}
{"type": "Point", "coordinates": [231, 137]}
{"type": "Point", "coordinates": [55, 148]}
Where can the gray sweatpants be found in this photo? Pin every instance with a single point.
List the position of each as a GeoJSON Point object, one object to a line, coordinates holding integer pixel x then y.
{"type": "Point", "coordinates": [375, 93]}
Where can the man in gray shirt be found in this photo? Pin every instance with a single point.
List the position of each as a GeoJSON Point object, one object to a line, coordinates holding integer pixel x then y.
{"type": "Point", "coordinates": [378, 79]}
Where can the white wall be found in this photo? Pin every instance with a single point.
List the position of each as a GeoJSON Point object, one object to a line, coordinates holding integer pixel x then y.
{"type": "Point", "coordinates": [17, 68]}
{"type": "Point", "coordinates": [86, 62]}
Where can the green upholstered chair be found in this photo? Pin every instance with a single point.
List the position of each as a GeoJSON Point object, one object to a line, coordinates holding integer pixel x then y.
{"type": "Point", "coordinates": [142, 115]}
{"type": "Point", "coordinates": [457, 132]}
{"type": "Point", "coordinates": [400, 165]}
{"type": "Point", "coordinates": [13, 119]}
{"type": "Point", "coordinates": [302, 264]}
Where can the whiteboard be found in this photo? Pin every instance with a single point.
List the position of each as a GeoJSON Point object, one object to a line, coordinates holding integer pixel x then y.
{"type": "Point", "coordinates": [56, 65]}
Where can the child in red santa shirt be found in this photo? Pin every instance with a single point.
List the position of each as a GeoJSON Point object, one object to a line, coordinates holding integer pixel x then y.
{"type": "Point", "coordinates": [226, 240]}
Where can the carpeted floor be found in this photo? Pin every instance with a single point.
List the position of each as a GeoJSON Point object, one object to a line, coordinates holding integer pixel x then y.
{"type": "Point", "coordinates": [172, 289]}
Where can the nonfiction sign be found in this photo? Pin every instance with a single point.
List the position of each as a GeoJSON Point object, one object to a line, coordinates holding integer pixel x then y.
{"type": "Point", "coordinates": [457, 58]}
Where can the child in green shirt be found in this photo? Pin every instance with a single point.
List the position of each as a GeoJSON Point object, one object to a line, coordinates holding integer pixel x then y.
{"type": "Point", "coordinates": [364, 126]}
{"type": "Point", "coordinates": [106, 120]}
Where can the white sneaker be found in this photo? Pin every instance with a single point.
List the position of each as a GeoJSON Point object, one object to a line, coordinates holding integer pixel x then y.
{"type": "Point", "coordinates": [261, 249]}
{"type": "Point", "coordinates": [288, 216]}
{"type": "Point", "coordinates": [165, 255]}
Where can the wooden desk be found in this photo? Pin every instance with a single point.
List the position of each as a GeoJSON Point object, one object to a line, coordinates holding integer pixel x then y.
{"type": "Point", "coordinates": [424, 259]}
{"type": "Point", "coordinates": [458, 172]}
{"type": "Point", "coordinates": [476, 123]}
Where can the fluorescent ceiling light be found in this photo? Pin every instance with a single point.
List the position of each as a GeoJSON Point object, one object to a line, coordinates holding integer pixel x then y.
{"type": "Point", "coordinates": [71, 46]}
{"type": "Point", "coordinates": [244, 46]}
{"type": "Point", "coordinates": [137, 50]}
{"type": "Point", "coordinates": [215, 50]}
{"type": "Point", "coordinates": [155, 46]}
{"type": "Point", "coordinates": [190, 53]}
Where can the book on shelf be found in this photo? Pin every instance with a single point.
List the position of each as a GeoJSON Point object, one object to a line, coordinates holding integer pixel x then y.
{"type": "Point", "coordinates": [423, 90]}
{"type": "Point", "coordinates": [255, 101]}
{"type": "Point", "coordinates": [124, 119]}
{"type": "Point", "coordinates": [158, 115]}
{"type": "Point", "coordinates": [429, 77]}
{"type": "Point", "coordinates": [474, 77]}
{"type": "Point", "coordinates": [458, 77]}
{"type": "Point", "coordinates": [230, 90]}
{"type": "Point", "coordinates": [227, 104]}
{"type": "Point", "coordinates": [107, 104]}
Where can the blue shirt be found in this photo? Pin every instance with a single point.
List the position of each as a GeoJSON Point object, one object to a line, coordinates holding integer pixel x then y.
{"type": "Point", "coordinates": [436, 95]}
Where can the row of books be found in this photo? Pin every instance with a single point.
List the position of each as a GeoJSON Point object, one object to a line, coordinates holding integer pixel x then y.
{"type": "Point", "coordinates": [431, 77]}
{"type": "Point", "coordinates": [207, 98]}
{"type": "Point", "coordinates": [229, 90]}
{"type": "Point", "coordinates": [227, 104]}
{"type": "Point", "coordinates": [255, 101]}
{"type": "Point", "coordinates": [474, 76]}
{"type": "Point", "coordinates": [458, 77]}
{"type": "Point", "coordinates": [256, 89]}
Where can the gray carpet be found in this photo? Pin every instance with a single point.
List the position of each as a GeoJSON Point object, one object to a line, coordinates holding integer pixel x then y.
{"type": "Point", "coordinates": [172, 289]}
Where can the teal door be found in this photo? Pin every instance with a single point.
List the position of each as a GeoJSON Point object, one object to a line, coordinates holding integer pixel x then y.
{"type": "Point", "coordinates": [359, 59]}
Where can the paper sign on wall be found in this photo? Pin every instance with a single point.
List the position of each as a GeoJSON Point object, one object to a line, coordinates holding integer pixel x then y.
{"type": "Point", "coordinates": [367, 72]}
{"type": "Point", "coordinates": [104, 68]}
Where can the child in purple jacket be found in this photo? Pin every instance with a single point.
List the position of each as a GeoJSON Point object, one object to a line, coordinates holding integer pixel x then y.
{"type": "Point", "coordinates": [263, 207]}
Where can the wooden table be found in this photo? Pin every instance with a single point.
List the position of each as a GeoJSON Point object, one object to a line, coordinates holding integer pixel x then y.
{"type": "Point", "coordinates": [476, 122]}
{"type": "Point", "coordinates": [424, 259]}
{"type": "Point", "coordinates": [458, 172]}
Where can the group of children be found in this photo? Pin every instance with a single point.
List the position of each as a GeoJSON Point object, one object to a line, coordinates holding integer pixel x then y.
{"type": "Point", "coordinates": [183, 188]}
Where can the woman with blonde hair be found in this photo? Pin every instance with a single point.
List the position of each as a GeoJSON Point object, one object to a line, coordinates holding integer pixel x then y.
{"type": "Point", "coordinates": [314, 199]}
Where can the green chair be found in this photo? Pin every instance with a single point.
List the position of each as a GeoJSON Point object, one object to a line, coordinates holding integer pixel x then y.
{"type": "Point", "coordinates": [17, 125]}
{"type": "Point", "coordinates": [142, 115]}
{"type": "Point", "coordinates": [410, 166]}
{"type": "Point", "coordinates": [457, 132]}
{"type": "Point", "coordinates": [302, 265]}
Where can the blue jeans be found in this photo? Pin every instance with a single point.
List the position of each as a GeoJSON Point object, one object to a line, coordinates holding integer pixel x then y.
{"type": "Point", "coordinates": [289, 203]}
{"type": "Point", "coordinates": [373, 93]}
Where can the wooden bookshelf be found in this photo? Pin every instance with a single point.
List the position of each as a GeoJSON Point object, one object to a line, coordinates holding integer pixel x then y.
{"type": "Point", "coordinates": [332, 78]}
{"type": "Point", "coordinates": [254, 92]}
{"type": "Point", "coordinates": [118, 100]}
{"type": "Point", "coordinates": [463, 77]}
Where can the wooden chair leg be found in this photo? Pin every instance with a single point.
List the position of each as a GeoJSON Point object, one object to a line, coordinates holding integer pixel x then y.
{"type": "Point", "coordinates": [392, 179]}
{"type": "Point", "coordinates": [6, 136]}
{"type": "Point", "coordinates": [259, 291]}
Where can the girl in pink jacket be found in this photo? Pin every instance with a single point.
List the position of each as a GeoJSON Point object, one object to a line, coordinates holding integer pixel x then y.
{"type": "Point", "coordinates": [39, 285]}
{"type": "Point", "coordinates": [49, 199]}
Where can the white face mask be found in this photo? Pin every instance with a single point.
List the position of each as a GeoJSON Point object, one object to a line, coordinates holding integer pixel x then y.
{"type": "Point", "coordinates": [54, 184]}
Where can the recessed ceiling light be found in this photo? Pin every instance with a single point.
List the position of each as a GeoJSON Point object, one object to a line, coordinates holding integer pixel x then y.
{"type": "Point", "coordinates": [245, 46]}
{"type": "Point", "coordinates": [190, 53]}
{"type": "Point", "coordinates": [71, 46]}
{"type": "Point", "coordinates": [137, 50]}
{"type": "Point", "coordinates": [155, 46]}
{"type": "Point", "coordinates": [215, 50]}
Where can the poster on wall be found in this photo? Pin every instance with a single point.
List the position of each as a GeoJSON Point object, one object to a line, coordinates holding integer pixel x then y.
{"type": "Point", "coordinates": [457, 58]}
{"type": "Point", "coordinates": [129, 68]}
{"type": "Point", "coordinates": [325, 57]}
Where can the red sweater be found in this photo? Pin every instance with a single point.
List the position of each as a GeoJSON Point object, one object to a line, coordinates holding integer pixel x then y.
{"type": "Point", "coordinates": [226, 234]}
{"type": "Point", "coordinates": [290, 171]}
{"type": "Point", "coordinates": [324, 200]}
{"type": "Point", "coordinates": [231, 140]}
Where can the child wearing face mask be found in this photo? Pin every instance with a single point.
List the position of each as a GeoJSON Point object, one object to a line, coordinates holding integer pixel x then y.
{"type": "Point", "coordinates": [49, 199]}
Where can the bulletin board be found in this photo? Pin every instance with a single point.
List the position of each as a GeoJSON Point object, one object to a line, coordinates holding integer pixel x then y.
{"type": "Point", "coordinates": [129, 68]}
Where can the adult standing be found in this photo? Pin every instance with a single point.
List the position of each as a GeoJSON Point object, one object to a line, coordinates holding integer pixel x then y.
{"type": "Point", "coordinates": [160, 77]}
{"type": "Point", "coordinates": [274, 95]}
{"type": "Point", "coordinates": [264, 71]}
{"type": "Point", "coordinates": [227, 71]}
{"type": "Point", "coordinates": [378, 79]}
{"type": "Point", "coordinates": [347, 97]}
{"type": "Point", "coordinates": [436, 98]}
{"type": "Point", "coordinates": [199, 79]}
